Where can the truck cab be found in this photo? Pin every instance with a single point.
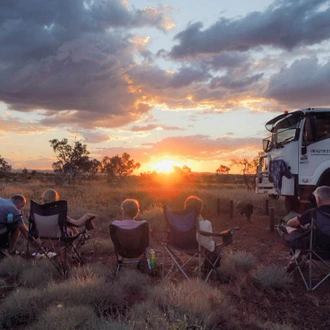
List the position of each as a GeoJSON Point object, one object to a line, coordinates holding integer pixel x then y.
{"type": "Point", "coordinates": [296, 156]}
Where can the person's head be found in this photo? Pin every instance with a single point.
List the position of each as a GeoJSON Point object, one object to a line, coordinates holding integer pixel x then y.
{"type": "Point", "coordinates": [130, 208]}
{"type": "Point", "coordinates": [19, 201]}
{"type": "Point", "coordinates": [50, 196]}
{"type": "Point", "coordinates": [194, 203]}
{"type": "Point", "coordinates": [322, 195]}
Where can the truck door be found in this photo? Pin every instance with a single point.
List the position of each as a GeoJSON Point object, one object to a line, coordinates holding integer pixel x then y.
{"type": "Point", "coordinates": [314, 154]}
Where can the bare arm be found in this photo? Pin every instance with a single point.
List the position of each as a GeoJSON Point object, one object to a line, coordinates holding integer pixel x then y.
{"type": "Point", "coordinates": [294, 223]}
{"type": "Point", "coordinates": [81, 221]}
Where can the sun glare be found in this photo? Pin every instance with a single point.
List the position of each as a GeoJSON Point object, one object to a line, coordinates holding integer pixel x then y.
{"type": "Point", "coordinates": [165, 166]}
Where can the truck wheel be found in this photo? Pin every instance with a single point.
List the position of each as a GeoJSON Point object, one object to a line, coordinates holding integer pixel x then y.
{"type": "Point", "coordinates": [292, 204]}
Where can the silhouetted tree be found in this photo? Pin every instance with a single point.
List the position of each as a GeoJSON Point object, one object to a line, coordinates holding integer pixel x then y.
{"type": "Point", "coordinates": [5, 168]}
{"type": "Point", "coordinates": [222, 169]}
{"type": "Point", "coordinates": [72, 160]}
{"type": "Point", "coordinates": [248, 167]}
{"type": "Point", "coordinates": [119, 166]}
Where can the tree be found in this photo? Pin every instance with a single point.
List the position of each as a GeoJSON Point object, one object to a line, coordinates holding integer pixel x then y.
{"type": "Point", "coordinates": [119, 166]}
{"type": "Point", "coordinates": [92, 167]}
{"type": "Point", "coordinates": [249, 167]}
{"type": "Point", "coordinates": [222, 169]}
{"type": "Point", "coordinates": [186, 169]}
{"type": "Point", "coordinates": [5, 169]}
{"type": "Point", "coordinates": [71, 160]}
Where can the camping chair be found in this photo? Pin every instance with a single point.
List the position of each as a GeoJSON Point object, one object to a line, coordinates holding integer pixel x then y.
{"type": "Point", "coordinates": [131, 244]}
{"type": "Point", "coordinates": [182, 246]}
{"type": "Point", "coordinates": [313, 264]}
{"type": "Point", "coordinates": [48, 224]}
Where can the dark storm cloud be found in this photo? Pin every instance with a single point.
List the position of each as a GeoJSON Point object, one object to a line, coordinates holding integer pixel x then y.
{"type": "Point", "coordinates": [72, 55]}
{"type": "Point", "coordinates": [35, 29]}
{"type": "Point", "coordinates": [289, 24]}
{"type": "Point", "coordinates": [186, 76]}
{"type": "Point", "coordinates": [81, 62]}
{"type": "Point", "coordinates": [306, 82]}
{"type": "Point", "coordinates": [237, 85]}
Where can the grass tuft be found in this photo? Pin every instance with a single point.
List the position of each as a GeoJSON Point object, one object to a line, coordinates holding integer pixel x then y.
{"type": "Point", "coordinates": [182, 301]}
{"type": "Point", "coordinates": [12, 267]}
{"type": "Point", "coordinates": [236, 264]}
{"type": "Point", "coordinates": [39, 274]}
{"type": "Point", "coordinates": [59, 317]}
{"type": "Point", "coordinates": [147, 315]}
{"type": "Point", "coordinates": [134, 283]}
{"type": "Point", "coordinates": [271, 276]}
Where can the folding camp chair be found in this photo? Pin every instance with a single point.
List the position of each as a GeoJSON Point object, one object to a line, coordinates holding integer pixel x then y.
{"type": "Point", "coordinates": [182, 247]}
{"type": "Point", "coordinates": [131, 244]}
{"type": "Point", "coordinates": [48, 224]}
{"type": "Point", "coordinates": [313, 263]}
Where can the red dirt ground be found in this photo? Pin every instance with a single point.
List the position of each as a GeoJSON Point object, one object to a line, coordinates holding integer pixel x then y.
{"type": "Point", "coordinates": [296, 306]}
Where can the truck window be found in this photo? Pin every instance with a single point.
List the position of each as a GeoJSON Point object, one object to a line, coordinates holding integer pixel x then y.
{"type": "Point", "coordinates": [317, 128]}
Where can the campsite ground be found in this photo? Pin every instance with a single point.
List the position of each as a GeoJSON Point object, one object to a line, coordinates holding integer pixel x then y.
{"type": "Point", "coordinates": [295, 306]}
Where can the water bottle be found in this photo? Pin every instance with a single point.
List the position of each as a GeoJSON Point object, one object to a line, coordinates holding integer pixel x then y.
{"type": "Point", "coordinates": [152, 259]}
{"type": "Point", "coordinates": [10, 218]}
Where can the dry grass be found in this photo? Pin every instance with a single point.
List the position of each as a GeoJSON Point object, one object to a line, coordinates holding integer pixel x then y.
{"type": "Point", "coordinates": [272, 276]}
{"type": "Point", "coordinates": [91, 298]}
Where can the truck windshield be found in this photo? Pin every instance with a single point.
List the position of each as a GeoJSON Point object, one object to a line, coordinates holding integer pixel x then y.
{"type": "Point", "coordinates": [283, 131]}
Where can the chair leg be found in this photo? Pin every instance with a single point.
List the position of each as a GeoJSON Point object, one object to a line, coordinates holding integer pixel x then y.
{"type": "Point", "coordinates": [118, 269]}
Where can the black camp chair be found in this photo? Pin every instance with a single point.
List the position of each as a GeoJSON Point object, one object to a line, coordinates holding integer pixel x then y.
{"type": "Point", "coordinates": [182, 246]}
{"type": "Point", "coordinates": [313, 263]}
{"type": "Point", "coordinates": [48, 224]}
{"type": "Point", "coordinates": [131, 244]}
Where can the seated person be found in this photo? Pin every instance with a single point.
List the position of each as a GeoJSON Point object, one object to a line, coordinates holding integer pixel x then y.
{"type": "Point", "coordinates": [207, 242]}
{"type": "Point", "coordinates": [298, 224]}
{"type": "Point", "coordinates": [52, 195]}
{"type": "Point", "coordinates": [11, 222]}
{"type": "Point", "coordinates": [130, 209]}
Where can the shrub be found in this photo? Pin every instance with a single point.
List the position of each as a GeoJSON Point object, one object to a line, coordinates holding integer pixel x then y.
{"type": "Point", "coordinates": [92, 270]}
{"type": "Point", "coordinates": [194, 302]}
{"type": "Point", "coordinates": [106, 297]}
{"type": "Point", "coordinates": [12, 267]}
{"type": "Point", "coordinates": [38, 275]}
{"type": "Point", "coordinates": [23, 306]}
{"type": "Point", "coordinates": [58, 317]}
{"type": "Point", "coordinates": [234, 264]}
{"type": "Point", "coordinates": [271, 276]}
{"type": "Point", "coordinates": [134, 283]}
{"type": "Point", "coordinates": [147, 315]}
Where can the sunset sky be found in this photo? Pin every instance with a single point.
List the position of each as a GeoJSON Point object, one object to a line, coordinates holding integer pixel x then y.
{"type": "Point", "coordinates": [189, 81]}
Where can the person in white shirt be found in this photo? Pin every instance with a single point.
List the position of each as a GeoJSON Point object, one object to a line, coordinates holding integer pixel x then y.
{"type": "Point", "coordinates": [213, 250]}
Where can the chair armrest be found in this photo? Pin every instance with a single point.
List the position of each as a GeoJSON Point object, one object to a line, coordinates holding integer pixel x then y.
{"type": "Point", "coordinates": [228, 232]}
{"type": "Point", "coordinates": [227, 235]}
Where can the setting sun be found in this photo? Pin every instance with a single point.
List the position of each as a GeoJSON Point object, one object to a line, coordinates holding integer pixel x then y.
{"type": "Point", "coordinates": [165, 166]}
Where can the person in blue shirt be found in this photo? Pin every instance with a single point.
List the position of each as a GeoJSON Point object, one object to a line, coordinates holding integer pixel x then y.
{"type": "Point", "coordinates": [11, 222]}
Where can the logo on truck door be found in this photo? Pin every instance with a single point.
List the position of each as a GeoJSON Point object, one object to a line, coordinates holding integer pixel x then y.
{"type": "Point", "coordinates": [303, 158]}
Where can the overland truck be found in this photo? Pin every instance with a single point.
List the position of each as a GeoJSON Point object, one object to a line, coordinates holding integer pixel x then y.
{"type": "Point", "coordinates": [296, 157]}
